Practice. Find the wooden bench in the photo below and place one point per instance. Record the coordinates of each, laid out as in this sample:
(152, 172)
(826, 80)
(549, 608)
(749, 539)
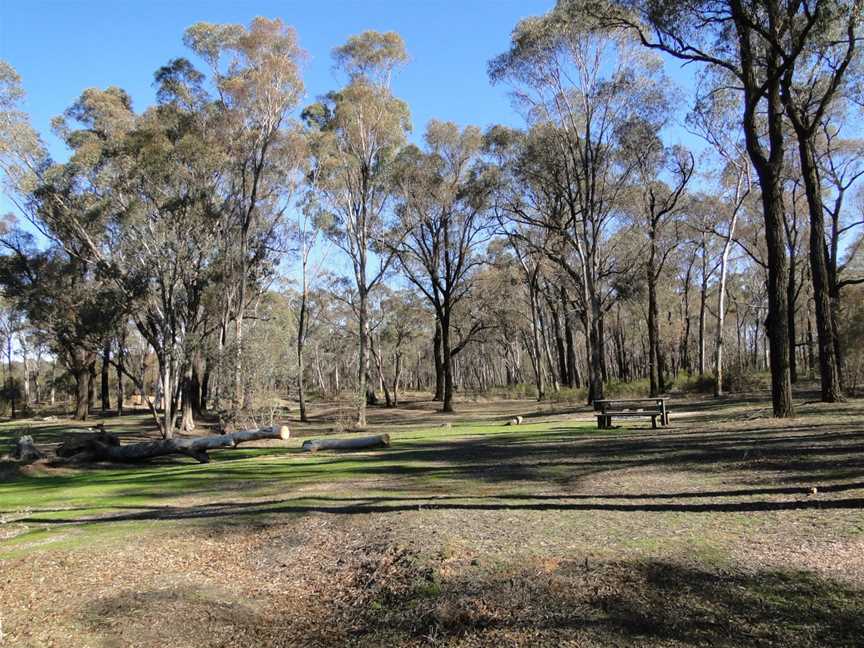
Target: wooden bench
(607, 409)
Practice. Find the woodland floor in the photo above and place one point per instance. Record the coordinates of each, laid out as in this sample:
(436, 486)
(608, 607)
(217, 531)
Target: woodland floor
(466, 532)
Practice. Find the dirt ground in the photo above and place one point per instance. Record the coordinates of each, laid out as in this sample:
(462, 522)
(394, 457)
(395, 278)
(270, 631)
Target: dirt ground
(727, 529)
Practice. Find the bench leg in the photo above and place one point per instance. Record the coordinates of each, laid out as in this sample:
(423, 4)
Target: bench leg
(654, 422)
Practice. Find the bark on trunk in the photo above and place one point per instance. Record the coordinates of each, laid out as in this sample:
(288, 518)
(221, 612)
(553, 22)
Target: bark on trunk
(188, 418)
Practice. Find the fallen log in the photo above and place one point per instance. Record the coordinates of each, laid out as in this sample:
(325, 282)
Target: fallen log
(355, 443)
(98, 448)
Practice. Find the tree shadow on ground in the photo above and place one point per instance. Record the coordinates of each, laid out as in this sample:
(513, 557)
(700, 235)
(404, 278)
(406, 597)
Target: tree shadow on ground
(773, 464)
(387, 596)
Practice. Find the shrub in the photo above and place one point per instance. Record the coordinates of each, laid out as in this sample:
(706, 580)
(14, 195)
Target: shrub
(741, 379)
(694, 384)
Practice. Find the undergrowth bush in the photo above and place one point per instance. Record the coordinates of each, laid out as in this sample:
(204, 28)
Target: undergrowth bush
(692, 383)
(740, 379)
(639, 388)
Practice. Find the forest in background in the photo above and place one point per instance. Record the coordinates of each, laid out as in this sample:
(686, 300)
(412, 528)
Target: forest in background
(231, 248)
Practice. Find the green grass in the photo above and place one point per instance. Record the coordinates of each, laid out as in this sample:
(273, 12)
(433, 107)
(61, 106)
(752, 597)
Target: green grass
(52, 497)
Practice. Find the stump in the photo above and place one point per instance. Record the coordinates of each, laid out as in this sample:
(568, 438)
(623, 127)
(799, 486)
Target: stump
(25, 451)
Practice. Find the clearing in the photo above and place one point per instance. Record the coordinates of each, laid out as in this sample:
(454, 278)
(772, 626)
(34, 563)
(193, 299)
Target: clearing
(465, 532)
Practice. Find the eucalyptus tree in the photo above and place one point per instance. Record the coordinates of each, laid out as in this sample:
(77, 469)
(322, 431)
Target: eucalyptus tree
(658, 205)
(154, 227)
(356, 133)
(444, 215)
(256, 83)
(579, 83)
(63, 298)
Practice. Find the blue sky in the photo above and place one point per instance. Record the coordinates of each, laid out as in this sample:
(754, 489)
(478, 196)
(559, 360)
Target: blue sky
(61, 47)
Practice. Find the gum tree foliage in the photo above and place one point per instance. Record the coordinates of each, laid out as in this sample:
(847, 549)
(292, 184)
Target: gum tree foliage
(157, 176)
(58, 287)
(254, 83)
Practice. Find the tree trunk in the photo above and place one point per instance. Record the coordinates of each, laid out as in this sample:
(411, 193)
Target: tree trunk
(556, 386)
(25, 383)
(654, 368)
(769, 169)
(82, 392)
(91, 385)
(790, 318)
(572, 366)
(379, 363)
(447, 357)
(559, 343)
(535, 338)
(105, 396)
(829, 371)
(301, 340)
(439, 362)
(685, 335)
(397, 375)
(205, 387)
(188, 418)
(721, 308)
(703, 299)
(363, 369)
(53, 392)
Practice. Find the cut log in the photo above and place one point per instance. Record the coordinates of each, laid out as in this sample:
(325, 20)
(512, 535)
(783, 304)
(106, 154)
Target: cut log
(25, 451)
(356, 443)
(97, 449)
